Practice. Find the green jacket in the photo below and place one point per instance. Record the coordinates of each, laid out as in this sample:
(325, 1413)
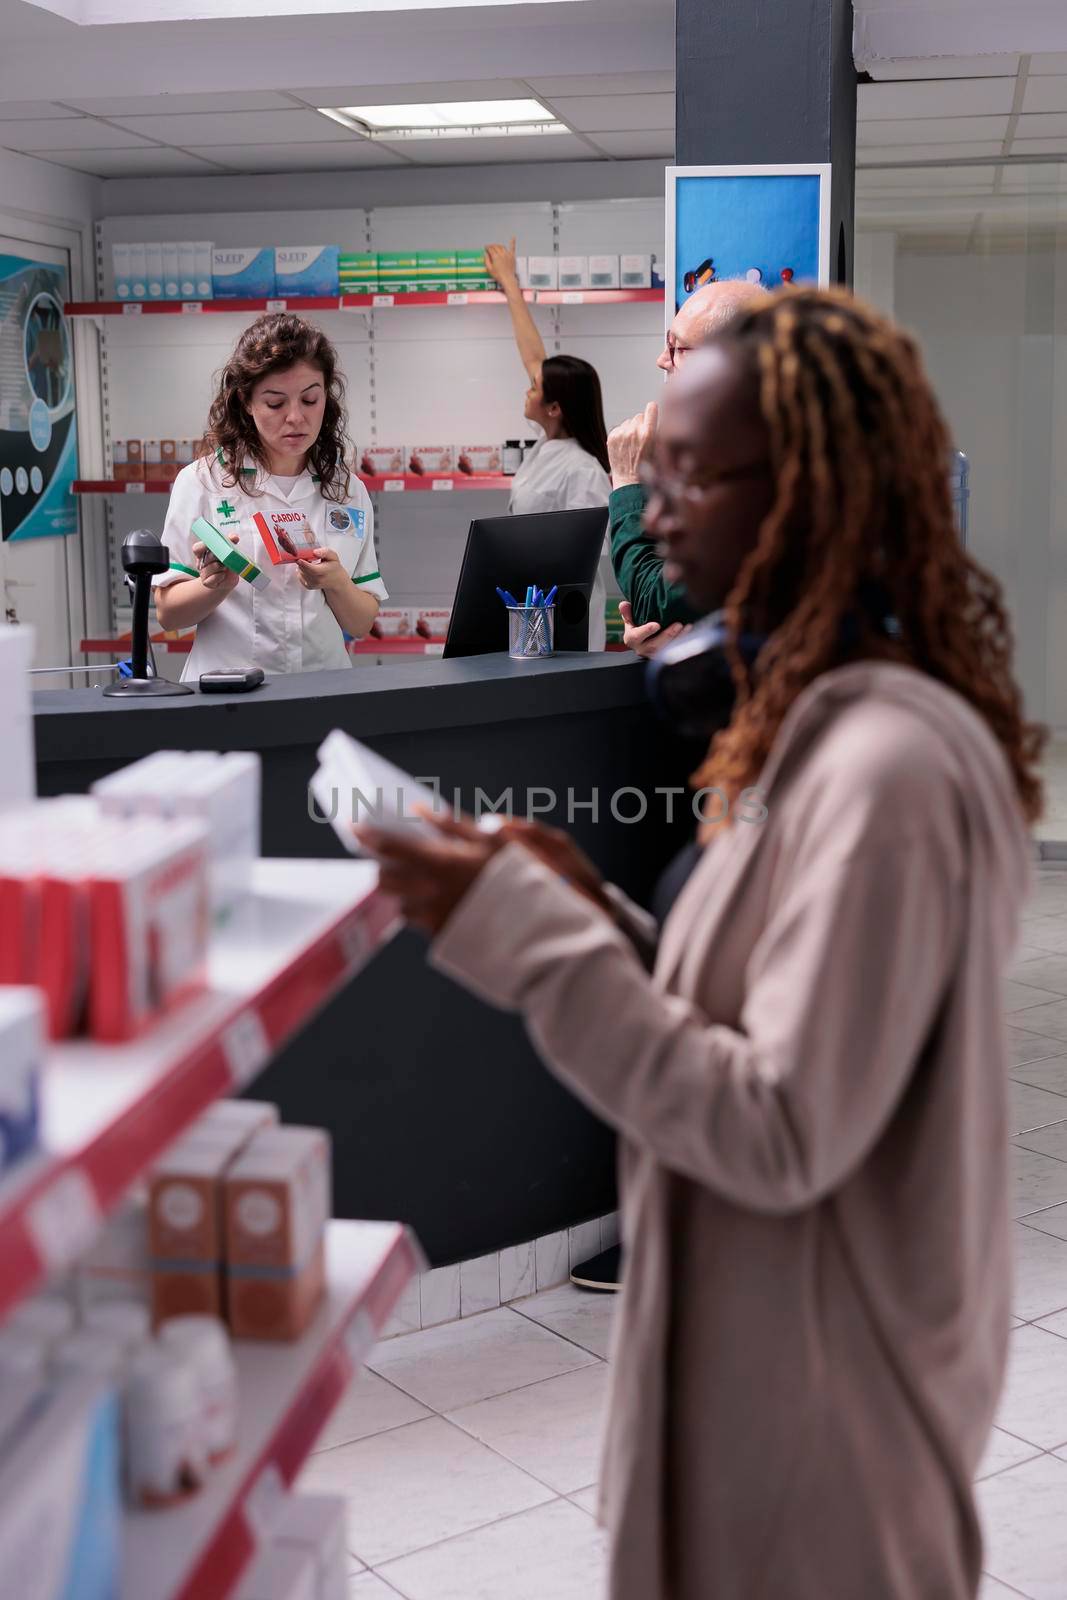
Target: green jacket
(638, 567)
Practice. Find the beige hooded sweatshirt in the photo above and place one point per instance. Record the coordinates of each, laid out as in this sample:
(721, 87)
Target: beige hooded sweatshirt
(810, 1090)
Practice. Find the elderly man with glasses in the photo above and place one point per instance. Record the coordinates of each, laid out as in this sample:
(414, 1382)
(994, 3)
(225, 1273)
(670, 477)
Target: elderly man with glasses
(653, 610)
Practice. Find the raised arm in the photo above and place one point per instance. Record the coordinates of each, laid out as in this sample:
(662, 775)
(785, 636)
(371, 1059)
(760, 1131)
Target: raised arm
(500, 264)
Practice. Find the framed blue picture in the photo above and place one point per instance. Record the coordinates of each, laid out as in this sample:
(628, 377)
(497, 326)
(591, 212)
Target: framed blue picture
(770, 225)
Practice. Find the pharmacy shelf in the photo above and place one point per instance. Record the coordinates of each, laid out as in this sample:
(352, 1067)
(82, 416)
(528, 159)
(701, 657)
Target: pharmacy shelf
(108, 1111)
(362, 302)
(198, 1551)
(178, 644)
(390, 483)
(416, 646)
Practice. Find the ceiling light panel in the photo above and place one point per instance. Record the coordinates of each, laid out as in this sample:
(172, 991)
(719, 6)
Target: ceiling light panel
(447, 115)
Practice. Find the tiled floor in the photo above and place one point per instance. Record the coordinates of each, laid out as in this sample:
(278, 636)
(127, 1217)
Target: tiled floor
(468, 1455)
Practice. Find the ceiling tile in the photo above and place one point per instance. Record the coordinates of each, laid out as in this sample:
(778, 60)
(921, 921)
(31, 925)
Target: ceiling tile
(964, 180)
(941, 97)
(933, 130)
(880, 154)
(239, 127)
(635, 145)
(1052, 61)
(609, 83)
(948, 67)
(158, 104)
(1039, 147)
(151, 161)
(30, 110)
(493, 152)
(402, 94)
(1045, 94)
(351, 157)
(616, 114)
(1045, 125)
(68, 133)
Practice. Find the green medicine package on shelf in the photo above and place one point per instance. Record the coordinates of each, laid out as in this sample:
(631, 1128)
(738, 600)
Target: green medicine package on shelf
(358, 272)
(229, 555)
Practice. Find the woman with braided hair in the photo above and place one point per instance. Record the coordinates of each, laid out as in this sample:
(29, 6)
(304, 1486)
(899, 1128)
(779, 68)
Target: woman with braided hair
(808, 1074)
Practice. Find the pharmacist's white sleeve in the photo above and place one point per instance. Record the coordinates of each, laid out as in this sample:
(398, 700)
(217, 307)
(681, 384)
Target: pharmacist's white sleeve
(187, 502)
(365, 573)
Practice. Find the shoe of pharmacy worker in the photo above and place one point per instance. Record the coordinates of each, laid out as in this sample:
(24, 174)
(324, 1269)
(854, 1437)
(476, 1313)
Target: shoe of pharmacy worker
(568, 469)
(657, 610)
(807, 1070)
(274, 459)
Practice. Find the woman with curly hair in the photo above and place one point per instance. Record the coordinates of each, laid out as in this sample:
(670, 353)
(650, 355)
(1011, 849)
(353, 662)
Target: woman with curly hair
(272, 477)
(809, 1073)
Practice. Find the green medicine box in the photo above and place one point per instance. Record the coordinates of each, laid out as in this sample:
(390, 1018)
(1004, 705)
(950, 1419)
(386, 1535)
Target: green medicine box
(470, 270)
(398, 272)
(437, 270)
(358, 273)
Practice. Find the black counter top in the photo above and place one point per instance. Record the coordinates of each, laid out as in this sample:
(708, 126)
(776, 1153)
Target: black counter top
(304, 706)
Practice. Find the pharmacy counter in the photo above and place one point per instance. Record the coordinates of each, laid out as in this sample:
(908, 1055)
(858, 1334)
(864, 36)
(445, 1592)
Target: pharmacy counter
(440, 1111)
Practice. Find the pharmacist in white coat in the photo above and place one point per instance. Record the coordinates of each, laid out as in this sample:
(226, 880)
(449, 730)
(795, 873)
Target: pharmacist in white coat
(568, 469)
(274, 475)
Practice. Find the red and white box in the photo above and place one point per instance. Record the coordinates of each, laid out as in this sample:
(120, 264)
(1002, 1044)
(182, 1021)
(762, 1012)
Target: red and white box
(149, 921)
(382, 460)
(431, 622)
(479, 459)
(423, 459)
(394, 622)
(286, 536)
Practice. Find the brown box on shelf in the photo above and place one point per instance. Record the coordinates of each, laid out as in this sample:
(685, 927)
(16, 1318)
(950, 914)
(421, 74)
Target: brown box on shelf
(128, 457)
(186, 1225)
(168, 467)
(277, 1202)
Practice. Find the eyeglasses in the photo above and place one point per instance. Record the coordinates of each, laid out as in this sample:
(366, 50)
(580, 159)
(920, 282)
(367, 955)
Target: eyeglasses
(674, 489)
(675, 351)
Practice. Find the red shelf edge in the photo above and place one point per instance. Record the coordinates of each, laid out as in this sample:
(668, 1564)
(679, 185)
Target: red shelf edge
(114, 1160)
(413, 482)
(359, 302)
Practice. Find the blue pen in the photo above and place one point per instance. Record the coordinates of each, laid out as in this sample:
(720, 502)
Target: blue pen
(529, 595)
(508, 599)
(550, 596)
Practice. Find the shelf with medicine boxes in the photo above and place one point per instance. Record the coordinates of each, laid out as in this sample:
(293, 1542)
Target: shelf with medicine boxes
(285, 1393)
(411, 482)
(362, 302)
(107, 1111)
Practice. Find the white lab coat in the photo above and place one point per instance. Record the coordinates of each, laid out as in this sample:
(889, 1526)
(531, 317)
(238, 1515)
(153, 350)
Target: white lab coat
(285, 628)
(558, 475)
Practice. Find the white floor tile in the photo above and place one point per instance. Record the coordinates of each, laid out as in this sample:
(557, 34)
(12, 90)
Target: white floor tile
(471, 1360)
(1049, 1073)
(1057, 1323)
(368, 1586)
(555, 1553)
(552, 1260)
(1040, 1272)
(517, 1272)
(1033, 1406)
(1053, 1220)
(1025, 1046)
(1038, 967)
(1049, 1019)
(415, 1486)
(585, 1317)
(1046, 934)
(552, 1429)
(439, 1296)
(1024, 1514)
(1003, 1451)
(479, 1284)
(1049, 1140)
(588, 1499)
(1031, 1108)
(371, 1406)
(1021, 996)
(407, 1313)
(1037, 1181)
(990, 1589)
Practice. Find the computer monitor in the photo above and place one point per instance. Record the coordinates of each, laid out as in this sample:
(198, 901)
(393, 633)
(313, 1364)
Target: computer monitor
(548, 548)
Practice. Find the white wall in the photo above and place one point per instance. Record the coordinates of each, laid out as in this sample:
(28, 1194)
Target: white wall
(993, 325)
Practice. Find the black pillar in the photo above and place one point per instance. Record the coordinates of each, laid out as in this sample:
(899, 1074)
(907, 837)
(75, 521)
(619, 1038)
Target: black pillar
(771, 81)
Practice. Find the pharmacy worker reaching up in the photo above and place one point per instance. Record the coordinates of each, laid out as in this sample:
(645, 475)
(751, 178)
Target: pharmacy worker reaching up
(272, 480)
(568, 469)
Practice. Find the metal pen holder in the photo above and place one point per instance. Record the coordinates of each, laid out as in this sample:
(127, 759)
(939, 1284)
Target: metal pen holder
(531, 631)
